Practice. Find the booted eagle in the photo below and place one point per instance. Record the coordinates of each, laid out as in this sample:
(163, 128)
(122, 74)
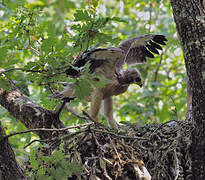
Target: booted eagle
(109, 63)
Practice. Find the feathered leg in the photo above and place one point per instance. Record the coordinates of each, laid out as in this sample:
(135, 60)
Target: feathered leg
(108, 112)
(96, 100)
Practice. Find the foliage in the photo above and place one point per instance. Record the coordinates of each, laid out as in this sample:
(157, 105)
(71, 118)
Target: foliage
(55, 166)
(41, 38)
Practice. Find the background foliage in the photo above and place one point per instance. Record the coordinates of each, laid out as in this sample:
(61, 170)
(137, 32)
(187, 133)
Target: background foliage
(40, 38)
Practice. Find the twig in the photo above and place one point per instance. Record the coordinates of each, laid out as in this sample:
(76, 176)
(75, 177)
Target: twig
(2, 71)
(59, 12)
(115, 150)
(157, 68)
(162, 125)
(54, 74)
(155, 71)
(96, 122)
(65, 100)
(64, 137)
(33, 49)
(75, 114)
(159, 64)
(176, 164)
(45, 129)
(58, 138)
(150, 16)
(175, 108)
(36, 140)
(34, 71)
(120, 136)
(21, 69)
(58, 111)
(50, 88)
(146, 81)
(95, 139)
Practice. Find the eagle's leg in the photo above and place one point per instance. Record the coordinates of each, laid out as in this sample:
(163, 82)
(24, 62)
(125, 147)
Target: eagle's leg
(108, 112)
(96, 100)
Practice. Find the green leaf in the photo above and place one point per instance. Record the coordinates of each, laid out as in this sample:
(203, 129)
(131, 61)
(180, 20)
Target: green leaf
(118, 19)
(33, 161)
(44, 177)
(3, 52)
(60, 173)
(68, 5)
(75, 168)
(47, 44)
(41, 171)
(81, 15)
(36, 3)
(57, 156)
(32, 66)
(4, 83)
(51, 29)
(83, 88)
(60, 45)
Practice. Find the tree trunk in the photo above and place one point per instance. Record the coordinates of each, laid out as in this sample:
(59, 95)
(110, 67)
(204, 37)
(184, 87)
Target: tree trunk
(9, 168)
(189, 16)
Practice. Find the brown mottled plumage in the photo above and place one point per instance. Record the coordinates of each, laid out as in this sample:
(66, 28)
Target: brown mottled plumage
(109, 63)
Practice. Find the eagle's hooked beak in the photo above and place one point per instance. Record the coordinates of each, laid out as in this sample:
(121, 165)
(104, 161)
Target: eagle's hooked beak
(139, 84)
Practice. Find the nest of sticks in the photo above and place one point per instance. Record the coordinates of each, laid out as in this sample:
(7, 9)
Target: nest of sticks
(149, 152)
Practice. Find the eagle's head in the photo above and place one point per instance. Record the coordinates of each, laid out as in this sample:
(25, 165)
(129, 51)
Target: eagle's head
(132, 76)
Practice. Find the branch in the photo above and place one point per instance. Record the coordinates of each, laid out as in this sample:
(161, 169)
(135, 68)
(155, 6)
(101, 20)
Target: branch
(159, 64)
(4, 71)
(96, 122)
(75, 114)
(120, 136)
(175, 108)
(29, 113)
(45, 129)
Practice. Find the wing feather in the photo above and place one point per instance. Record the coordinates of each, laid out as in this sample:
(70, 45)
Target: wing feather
(138, 48)
(102, 62)
(159, 39)
(155, 45)
(108, 61)
(152, 49)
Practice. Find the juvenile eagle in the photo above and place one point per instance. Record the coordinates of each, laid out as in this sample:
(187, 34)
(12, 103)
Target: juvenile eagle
(108, 63)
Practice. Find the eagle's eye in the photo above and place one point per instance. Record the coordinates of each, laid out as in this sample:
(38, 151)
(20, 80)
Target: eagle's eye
(137, 79)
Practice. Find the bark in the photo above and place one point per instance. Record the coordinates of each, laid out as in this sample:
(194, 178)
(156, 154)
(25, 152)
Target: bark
(190, 22)
(30, 114)
(9, 168)
(189, 100)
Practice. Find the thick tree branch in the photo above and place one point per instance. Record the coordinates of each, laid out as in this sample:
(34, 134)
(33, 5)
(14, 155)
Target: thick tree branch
(30, 114)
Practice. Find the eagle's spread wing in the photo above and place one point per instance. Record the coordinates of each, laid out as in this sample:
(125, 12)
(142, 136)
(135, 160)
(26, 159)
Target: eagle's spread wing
(108, 61)
(102, 62)
(138, 48)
